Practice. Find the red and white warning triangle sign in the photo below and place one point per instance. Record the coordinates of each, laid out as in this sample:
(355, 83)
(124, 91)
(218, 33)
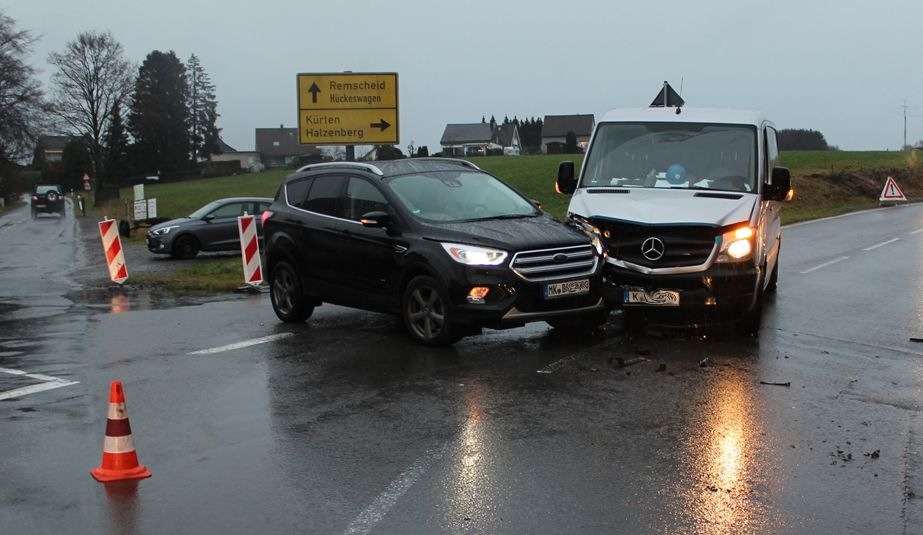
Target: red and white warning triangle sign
(892, 192)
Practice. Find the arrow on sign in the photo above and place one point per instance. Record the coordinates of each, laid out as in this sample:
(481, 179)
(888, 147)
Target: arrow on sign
(314, 90)
(383, 125)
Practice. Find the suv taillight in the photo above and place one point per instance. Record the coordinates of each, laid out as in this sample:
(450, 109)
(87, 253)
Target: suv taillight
(266, 215)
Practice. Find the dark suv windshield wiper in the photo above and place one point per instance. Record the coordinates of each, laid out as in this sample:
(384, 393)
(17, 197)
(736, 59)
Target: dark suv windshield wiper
(503, 216)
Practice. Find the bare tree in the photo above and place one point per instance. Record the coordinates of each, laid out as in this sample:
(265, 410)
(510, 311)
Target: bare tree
(22, 103)
(93, 78)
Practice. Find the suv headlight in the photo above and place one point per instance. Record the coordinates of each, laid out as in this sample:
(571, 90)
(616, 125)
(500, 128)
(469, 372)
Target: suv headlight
(736, 245)
(474, 256)
(590, 229)
(163, 231)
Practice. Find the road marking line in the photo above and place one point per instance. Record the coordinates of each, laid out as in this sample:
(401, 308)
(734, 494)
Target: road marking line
(557, 365)
(34, 389)
(372, 515)
(49, 383)
(882, 244)
(825, 264)
(240, 345)
(918, 231)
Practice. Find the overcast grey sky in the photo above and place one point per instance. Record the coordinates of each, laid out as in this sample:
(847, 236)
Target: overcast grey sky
(846, 68)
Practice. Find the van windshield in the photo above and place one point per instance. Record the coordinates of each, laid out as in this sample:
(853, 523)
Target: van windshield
(673, 155)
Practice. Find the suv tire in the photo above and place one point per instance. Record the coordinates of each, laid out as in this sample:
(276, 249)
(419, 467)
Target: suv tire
(426, 312)
(285, 292)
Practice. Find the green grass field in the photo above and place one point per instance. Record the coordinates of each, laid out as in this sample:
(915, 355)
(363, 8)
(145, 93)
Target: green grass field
(814, 176)
(826, 183)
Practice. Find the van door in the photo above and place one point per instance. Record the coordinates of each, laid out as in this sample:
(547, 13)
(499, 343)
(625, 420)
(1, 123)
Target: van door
(771, 221)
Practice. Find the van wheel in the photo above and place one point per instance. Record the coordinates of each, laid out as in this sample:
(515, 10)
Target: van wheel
(773, 283)
(285, 292)
(749, 324)
(426, 312)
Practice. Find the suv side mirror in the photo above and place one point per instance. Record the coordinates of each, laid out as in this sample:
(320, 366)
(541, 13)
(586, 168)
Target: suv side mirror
(781, 184)
(377, 219)
(567, 179)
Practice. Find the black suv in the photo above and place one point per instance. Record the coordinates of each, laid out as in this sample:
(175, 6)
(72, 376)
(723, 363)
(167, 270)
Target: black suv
(447, 246)
(47, 198)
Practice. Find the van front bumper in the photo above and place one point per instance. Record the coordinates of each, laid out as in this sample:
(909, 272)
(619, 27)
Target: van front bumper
(723, 288)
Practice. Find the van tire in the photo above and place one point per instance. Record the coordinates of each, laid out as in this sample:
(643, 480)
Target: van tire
(749, 324)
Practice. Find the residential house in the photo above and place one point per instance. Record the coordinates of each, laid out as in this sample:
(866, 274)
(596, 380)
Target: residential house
(556, 127)
(507, 136)
(471, 139)
(249, 160)
(50, 150)
(279, 147)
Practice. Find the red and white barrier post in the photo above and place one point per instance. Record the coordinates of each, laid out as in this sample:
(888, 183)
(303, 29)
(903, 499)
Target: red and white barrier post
(112, 246)
(250, 250)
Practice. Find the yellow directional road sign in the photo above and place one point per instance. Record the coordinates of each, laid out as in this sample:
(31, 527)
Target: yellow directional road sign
(347, 108)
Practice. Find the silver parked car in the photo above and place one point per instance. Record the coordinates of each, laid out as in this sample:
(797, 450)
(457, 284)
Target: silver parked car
(210, 228)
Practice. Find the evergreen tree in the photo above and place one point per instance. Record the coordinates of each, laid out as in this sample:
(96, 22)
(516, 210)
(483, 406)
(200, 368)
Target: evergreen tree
(159, 116)
(203, 111)
(76, 161)
(116, 165)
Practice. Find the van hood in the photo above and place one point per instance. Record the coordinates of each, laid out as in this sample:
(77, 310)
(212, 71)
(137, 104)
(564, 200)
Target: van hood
(651, 206)
(518, 234)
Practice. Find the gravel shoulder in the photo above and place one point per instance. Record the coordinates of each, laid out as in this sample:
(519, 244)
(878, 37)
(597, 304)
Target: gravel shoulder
(89, 270)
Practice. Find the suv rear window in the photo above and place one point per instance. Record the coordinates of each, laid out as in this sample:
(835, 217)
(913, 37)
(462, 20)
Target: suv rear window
(45, 189)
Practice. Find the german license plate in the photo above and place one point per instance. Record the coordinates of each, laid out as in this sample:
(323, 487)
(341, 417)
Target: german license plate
(663, 298)
(564, 289)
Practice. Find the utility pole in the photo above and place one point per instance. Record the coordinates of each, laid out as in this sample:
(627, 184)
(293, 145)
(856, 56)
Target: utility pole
(905, 124)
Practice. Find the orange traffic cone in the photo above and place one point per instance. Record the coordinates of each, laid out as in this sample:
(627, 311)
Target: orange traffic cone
(119, 458)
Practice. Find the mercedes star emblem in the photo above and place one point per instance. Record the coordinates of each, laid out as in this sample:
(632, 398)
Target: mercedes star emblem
(652, 249)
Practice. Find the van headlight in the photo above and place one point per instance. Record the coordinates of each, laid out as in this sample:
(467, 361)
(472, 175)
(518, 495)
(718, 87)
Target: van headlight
(736, 245)
(472, 255)
(591, 230)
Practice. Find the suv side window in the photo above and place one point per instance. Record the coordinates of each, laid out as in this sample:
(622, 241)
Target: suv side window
(324, 195)
(296, 191)
(363, 197)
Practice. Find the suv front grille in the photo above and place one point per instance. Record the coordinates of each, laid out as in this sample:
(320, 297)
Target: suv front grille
(683, 246)
(558, 263)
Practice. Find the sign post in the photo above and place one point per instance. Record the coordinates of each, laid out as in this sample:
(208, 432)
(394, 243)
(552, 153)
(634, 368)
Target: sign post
(347, 109)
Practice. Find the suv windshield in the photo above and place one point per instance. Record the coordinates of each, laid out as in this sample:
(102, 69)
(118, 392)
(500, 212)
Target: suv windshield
(673, 155)
(459, 196)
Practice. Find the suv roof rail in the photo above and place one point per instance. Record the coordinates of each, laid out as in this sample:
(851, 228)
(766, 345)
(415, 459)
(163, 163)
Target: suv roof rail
(360, 165)
(458, 161)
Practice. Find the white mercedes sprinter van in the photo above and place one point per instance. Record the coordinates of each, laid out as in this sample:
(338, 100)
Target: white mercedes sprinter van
(685, 203)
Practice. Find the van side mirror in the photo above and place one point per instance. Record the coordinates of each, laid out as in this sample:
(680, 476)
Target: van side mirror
(567, 179)
(781, 184)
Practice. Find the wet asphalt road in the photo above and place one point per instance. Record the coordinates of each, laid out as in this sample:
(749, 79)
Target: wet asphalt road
(342, 425)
